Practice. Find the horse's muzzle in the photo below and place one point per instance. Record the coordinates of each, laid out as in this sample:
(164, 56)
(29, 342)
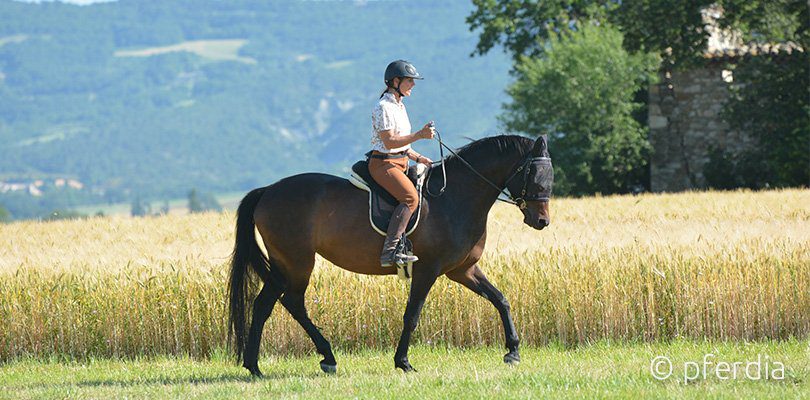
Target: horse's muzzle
(537, 216)
(538, 224)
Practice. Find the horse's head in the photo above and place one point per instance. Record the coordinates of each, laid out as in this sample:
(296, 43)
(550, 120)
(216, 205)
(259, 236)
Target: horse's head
(532, 186)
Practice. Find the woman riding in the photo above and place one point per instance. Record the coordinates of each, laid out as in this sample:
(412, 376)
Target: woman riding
(388, 163)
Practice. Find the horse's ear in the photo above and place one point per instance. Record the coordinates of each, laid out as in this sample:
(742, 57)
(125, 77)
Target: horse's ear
(541, 145)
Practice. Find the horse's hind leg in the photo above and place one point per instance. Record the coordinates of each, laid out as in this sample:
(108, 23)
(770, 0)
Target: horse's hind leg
(262, 308)
(293, 301)
(474, 279)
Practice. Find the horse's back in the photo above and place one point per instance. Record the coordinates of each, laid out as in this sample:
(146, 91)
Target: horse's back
(304, 201)
(301, 194)
(303, 214)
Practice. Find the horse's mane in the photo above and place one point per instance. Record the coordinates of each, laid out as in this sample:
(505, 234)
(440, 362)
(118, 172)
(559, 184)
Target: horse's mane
(502, 143)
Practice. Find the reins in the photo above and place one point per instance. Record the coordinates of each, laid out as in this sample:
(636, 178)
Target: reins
(518, 201)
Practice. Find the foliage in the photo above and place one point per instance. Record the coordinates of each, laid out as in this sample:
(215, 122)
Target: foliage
(22, 205)
(56, 215)
(771, 100)
(139, 207)
(201, 202)
(581, 94)
(674, 30)
(774, 21)
(5, 216)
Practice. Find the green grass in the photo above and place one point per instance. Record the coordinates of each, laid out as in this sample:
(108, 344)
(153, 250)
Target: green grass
(601, 370)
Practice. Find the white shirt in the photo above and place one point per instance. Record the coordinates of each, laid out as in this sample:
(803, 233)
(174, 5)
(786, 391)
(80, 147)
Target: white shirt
(389, 114)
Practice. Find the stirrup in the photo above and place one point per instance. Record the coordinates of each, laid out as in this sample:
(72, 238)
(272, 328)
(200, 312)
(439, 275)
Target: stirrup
(405, 265)
(403, 258)
(398, 260)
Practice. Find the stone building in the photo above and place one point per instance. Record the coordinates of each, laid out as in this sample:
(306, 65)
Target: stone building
(685, 112)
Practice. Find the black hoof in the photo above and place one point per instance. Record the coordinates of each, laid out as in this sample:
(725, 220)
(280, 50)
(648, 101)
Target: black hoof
(512, 357)
(405, 367)
(328, 368)
(254, 371)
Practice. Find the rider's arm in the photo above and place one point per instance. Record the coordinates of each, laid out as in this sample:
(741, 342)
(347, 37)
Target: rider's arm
(392, 141)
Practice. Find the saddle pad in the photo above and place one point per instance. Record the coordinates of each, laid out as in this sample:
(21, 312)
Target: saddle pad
(381, 203)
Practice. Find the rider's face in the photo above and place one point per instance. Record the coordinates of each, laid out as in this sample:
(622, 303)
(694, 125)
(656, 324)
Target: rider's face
(406, 85)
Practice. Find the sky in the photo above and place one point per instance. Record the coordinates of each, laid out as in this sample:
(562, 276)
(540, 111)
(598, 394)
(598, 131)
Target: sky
(76, 2)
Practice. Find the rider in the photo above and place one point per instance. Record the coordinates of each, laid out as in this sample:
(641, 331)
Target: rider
(391, 140)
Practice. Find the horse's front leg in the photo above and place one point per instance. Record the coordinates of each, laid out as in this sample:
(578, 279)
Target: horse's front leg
(474, 279)
(422, 281)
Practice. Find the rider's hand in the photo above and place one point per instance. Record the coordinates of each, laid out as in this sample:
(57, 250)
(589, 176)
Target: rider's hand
(427, 131)
(424, 160)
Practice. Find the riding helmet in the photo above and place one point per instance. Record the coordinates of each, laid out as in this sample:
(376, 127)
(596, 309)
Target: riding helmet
(401, 68)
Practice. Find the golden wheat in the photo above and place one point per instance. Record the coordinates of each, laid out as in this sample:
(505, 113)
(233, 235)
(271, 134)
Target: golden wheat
(733, 265)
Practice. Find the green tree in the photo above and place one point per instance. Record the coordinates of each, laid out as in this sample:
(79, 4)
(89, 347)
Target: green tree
(581, 94)
(56, 215)
(771, 100)
(139, 207)
(5, 216)
(771, 95)
(771, 103)
(194, 204)
(775, 21)
(674, 30)
(201, 202)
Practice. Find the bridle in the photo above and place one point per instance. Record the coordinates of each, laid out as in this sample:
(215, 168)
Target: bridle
(520, 200)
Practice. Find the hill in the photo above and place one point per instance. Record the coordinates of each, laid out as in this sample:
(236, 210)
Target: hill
(150, 99)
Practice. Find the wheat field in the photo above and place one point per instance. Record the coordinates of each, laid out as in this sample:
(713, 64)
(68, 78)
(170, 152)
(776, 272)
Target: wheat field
(653, 267)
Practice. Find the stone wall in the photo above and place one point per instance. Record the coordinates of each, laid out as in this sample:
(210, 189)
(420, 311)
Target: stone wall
(684, 120)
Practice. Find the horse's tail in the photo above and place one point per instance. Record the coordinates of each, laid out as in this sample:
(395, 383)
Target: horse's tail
(242, 284)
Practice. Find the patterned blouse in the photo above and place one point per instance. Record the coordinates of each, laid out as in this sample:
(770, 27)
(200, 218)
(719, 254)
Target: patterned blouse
(389, 114)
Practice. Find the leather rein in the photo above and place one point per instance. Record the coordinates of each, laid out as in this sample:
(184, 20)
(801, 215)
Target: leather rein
(519, 201)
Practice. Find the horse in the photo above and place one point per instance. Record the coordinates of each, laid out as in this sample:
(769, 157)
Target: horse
(311, 213)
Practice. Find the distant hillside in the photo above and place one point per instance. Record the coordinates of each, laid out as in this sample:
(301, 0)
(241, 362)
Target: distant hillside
(153, 98)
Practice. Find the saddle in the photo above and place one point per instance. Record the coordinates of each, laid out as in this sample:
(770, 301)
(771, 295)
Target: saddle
(381, 203)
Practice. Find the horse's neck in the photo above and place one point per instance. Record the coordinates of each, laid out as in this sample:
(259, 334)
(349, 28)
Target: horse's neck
(472, 195)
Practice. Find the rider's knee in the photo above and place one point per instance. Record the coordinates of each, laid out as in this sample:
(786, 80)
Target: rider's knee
(412, 201)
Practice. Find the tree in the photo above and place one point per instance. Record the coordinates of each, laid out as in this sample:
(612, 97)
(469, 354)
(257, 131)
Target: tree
(139, 207)
(770, 99)
(581, 94)
(194, 204)
(674, 30)
(5, 216)
(771, 95)
(775, 21)
(201, 202)
(56, 215)
(771, 105)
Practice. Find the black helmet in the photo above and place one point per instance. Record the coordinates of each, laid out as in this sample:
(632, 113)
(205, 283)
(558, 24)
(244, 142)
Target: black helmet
(400, 68)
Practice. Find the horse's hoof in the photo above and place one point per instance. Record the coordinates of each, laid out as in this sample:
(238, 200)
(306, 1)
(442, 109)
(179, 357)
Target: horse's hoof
(329, 369)
(512, 358)
(406, 367)
(254, 371)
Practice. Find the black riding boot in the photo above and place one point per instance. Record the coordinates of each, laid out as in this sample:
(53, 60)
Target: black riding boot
(396, 227)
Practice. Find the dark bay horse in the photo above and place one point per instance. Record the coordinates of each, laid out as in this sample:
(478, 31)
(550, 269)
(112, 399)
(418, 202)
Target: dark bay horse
(313, 213)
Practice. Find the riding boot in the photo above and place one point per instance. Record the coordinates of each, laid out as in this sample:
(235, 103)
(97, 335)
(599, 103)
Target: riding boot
(396, 228)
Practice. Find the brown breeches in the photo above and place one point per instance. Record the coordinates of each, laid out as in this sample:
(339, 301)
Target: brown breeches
(390, 174)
